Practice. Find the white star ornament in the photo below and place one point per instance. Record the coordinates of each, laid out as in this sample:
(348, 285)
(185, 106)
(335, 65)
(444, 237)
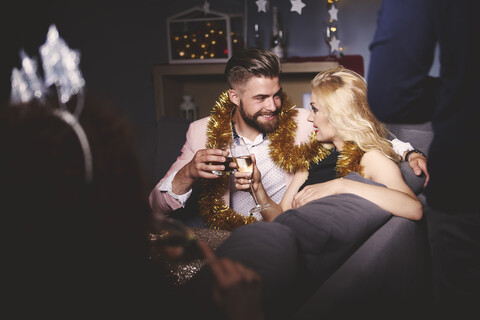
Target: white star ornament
(333, 13)
(297, 5)
(262, 5)
(334, 44)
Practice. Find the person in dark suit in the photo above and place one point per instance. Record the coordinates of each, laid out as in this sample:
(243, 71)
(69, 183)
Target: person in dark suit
(401, 90)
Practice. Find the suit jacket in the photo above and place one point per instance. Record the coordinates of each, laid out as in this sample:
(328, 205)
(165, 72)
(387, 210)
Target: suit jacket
(400, 88)
(163, 204)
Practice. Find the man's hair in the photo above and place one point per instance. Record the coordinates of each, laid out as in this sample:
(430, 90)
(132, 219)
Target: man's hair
(251, 62)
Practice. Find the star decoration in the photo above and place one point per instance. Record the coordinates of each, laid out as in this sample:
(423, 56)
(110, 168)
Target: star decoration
(60, 65)
(297, 5)
(206, 7)
(333, 13)
(29, 70)
(262, 5)
(334, 44)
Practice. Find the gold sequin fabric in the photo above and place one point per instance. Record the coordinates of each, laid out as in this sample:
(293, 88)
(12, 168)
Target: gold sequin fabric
(181, 270)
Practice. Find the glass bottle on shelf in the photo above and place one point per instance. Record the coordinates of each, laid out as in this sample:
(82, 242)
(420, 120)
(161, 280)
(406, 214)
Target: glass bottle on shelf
(257, 37)
(188, 108)
(276, 42)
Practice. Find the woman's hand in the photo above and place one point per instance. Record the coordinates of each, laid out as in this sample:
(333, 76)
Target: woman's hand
(316, 191)
(243, 180)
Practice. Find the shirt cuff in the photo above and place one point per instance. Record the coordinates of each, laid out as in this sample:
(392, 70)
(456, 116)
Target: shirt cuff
(166, 186)
(400, 147)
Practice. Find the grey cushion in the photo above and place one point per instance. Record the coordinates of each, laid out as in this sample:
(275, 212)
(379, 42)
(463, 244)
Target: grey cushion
(388, 273)
(330, 229)
(268, 248)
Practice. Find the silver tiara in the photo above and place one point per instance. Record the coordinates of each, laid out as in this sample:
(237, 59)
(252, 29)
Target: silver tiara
(61, 71)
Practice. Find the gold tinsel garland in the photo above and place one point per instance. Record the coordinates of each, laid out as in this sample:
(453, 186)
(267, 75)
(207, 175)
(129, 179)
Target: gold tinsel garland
(349, 160)
(283, 152)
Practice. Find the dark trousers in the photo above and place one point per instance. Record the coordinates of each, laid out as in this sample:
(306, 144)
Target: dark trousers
(455, 245)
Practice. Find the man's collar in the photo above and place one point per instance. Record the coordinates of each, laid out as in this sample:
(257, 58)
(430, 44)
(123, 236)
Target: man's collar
(235, 134)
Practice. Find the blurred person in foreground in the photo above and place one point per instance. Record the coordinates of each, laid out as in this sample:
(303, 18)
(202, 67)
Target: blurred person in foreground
(75, 247)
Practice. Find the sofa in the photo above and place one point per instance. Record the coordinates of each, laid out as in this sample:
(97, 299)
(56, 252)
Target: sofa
(385, 273)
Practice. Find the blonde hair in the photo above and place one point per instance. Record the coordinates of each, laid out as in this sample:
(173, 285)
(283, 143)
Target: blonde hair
(343, 97)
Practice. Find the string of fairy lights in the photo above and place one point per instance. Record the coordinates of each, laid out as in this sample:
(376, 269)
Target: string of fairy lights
(331, 31)
(208, 39)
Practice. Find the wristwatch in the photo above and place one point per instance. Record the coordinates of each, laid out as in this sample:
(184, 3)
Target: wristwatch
(412, 151)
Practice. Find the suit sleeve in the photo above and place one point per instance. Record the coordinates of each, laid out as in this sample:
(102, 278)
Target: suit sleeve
(402, 52)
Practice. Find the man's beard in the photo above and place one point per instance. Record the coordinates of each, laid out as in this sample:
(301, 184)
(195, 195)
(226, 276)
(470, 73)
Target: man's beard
(252, 121)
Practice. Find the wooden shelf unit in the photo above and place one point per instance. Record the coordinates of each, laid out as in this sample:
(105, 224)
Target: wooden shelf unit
(204, 82)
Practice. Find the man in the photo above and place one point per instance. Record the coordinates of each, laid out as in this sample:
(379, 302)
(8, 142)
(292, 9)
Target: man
(401, 90)
(279, 135)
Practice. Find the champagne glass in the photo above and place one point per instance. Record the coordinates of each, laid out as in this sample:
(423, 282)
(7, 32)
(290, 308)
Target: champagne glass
(226, 164)
(241, 156)
(175, 249)
(172, 240)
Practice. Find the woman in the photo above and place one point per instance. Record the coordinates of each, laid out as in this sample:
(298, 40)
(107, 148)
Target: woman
(344, 123)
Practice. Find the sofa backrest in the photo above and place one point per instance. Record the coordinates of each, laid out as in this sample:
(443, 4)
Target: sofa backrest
(419, 136)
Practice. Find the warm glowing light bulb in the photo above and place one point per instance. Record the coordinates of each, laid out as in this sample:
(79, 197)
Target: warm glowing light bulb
(181, 53)
(333, 29)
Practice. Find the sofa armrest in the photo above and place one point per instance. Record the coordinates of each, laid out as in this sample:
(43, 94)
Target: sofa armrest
(388, 272)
